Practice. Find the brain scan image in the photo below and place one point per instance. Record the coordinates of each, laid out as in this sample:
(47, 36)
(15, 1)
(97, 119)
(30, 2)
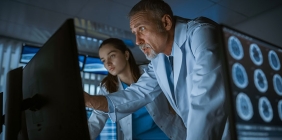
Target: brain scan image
(255, 54)
(273, 60)
(244, 106)
(260, 80)
(235, 48)
(277, 84)
(265, 109)
(280, 109)
(239, 75)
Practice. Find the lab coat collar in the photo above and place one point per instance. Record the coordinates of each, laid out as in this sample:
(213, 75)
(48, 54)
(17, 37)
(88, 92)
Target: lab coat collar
(162, 73)
(120, 87)
(179, 33)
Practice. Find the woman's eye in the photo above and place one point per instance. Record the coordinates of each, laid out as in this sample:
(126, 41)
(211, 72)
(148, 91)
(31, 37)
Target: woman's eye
(112, 56)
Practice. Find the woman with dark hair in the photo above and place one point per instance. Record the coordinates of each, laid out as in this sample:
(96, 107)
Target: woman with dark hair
(157, 120)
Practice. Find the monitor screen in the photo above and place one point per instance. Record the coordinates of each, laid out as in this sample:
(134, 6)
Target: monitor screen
(28, 51)
(129, 43)
(53, 76)
(254, 85)
(81, 60)
(94, 65)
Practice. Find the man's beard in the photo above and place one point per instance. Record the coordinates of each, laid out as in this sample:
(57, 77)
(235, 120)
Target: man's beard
(151, 55)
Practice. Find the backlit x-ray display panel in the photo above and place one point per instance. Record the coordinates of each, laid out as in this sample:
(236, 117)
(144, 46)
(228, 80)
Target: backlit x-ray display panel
(94, 65)
(81, 60)
(28, 52)
(254, 85)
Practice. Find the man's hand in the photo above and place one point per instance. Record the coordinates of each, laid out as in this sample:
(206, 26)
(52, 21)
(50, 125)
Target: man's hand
(97, 102)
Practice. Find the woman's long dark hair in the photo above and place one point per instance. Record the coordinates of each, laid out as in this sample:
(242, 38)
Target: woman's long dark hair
(110, 81)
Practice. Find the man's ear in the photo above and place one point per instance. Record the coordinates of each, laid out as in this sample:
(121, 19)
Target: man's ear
(167, 22)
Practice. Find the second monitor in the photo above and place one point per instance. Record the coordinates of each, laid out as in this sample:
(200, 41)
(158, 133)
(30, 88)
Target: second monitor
(53, 74)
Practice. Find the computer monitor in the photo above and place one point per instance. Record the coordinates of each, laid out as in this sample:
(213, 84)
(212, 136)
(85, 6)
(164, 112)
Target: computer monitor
(254, 85)
(53, 75)
(1, 109)
(14, 97)
(94, 65)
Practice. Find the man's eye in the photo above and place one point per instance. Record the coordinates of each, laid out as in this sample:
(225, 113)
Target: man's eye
(142, 28)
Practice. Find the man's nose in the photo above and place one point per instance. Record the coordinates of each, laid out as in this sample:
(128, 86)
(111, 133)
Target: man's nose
(138, 40)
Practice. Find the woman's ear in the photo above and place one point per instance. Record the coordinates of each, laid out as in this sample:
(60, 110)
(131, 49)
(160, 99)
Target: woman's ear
(167, 22)
(126, 55)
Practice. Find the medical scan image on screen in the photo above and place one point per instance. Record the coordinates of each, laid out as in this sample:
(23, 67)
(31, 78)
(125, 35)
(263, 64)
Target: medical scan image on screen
(255, 87)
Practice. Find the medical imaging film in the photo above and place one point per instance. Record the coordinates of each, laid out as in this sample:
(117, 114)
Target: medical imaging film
(254, 71)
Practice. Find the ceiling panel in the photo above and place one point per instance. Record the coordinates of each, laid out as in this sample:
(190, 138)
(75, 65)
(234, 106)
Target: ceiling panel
(25, 33)
(129, 3)
(37, 20)
(229, 17)
(69, 7)
(215, 1)
(271, 33)
(250, 7)
(28, 19)
(189, 8)
(107, 12)
(27, 15)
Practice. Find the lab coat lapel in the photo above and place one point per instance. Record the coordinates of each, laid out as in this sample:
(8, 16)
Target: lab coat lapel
(179, 39)
(177, 61)
(163, 73)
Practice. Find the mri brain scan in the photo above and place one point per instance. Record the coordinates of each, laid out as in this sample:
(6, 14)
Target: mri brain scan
(255, 54)
(273, 60)
(239, 75)
(265, 109)
(260, 80)
(244, 106)
(235, 48)
(277, 84)
(280, 109)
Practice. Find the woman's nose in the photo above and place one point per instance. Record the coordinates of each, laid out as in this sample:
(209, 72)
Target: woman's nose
(108, 63)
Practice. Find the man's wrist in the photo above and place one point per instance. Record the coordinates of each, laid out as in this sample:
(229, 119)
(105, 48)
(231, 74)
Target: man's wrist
(99, 102)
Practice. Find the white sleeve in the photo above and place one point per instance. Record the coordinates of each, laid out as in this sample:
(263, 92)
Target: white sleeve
(137, 95)
(96, 123)
(97, 120)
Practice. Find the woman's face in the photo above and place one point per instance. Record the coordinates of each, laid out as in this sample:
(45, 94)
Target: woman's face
(114, 60)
